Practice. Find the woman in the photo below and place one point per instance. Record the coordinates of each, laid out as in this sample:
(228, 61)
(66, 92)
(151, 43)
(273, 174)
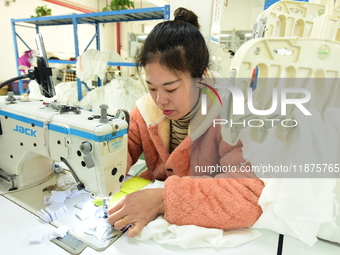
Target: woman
(173, 54)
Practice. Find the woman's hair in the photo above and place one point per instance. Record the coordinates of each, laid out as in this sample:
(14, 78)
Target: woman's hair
(177, 45)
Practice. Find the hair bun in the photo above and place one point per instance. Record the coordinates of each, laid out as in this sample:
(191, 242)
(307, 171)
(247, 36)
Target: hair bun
(187, 16)
(181, 18)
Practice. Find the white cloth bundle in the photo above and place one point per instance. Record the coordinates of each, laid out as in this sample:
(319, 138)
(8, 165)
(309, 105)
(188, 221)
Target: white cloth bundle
(296, 205)
(93, 63)
(331, 230)
(120, 93)
(191, 236)
(66, 93)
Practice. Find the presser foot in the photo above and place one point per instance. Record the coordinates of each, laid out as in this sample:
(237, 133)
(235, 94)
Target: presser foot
(101, 214)
(102, 234)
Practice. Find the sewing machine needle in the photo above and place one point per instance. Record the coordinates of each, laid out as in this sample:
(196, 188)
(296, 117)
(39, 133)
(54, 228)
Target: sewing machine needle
(105, 207)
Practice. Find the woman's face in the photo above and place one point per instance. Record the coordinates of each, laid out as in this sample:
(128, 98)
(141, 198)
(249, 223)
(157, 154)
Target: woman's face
(171, 92)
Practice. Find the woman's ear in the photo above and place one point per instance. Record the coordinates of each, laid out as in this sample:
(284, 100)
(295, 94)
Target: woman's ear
(205, 73)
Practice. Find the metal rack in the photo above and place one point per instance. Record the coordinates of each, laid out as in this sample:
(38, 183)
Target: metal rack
(95, 18)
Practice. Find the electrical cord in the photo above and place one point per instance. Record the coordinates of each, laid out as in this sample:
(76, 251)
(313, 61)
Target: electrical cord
(30, 75)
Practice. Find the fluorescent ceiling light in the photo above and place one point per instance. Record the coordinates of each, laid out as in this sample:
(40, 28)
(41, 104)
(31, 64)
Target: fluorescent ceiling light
(142, 36)
(159, 2)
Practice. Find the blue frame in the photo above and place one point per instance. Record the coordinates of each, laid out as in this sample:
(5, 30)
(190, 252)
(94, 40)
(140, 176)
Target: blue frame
(268, 3)
(95, 19)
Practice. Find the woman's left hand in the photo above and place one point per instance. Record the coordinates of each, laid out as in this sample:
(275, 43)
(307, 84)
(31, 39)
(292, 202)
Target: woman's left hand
(137, 208)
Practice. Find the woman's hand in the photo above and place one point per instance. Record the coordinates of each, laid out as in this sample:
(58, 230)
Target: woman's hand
(138, 208)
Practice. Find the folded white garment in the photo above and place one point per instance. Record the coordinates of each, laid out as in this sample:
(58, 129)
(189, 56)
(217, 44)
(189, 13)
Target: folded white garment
(190, 236)
(296, 205)
(331, 116)
(331, 230)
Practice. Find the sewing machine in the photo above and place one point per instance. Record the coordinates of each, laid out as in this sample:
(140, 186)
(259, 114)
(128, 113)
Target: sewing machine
(34, 134)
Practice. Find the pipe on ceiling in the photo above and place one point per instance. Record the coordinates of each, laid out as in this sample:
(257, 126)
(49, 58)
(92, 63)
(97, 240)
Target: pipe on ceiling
(85, 9)
(72, 5)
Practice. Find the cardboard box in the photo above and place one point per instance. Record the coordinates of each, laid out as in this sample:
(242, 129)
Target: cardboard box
(4, 90)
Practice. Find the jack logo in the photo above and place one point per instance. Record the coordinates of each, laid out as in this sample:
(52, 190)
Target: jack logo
(26, 131)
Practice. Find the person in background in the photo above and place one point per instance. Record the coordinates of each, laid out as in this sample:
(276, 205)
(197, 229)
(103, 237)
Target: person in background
(174, 53)
(25, 61)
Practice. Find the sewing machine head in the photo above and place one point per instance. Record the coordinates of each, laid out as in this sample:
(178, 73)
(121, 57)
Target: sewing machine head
(34, 134)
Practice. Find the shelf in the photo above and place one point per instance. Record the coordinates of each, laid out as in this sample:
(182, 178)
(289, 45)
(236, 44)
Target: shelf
(121, 64)
(101, 17)
(72, 62)
(95, 18)
(57, 61)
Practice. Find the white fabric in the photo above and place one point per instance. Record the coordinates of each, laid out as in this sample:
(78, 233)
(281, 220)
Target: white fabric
(331, 230)
(331, 118)
(191, 236)
(120, 93)
(297, 205)
(67, 93)
(93, 63)
(35, 90)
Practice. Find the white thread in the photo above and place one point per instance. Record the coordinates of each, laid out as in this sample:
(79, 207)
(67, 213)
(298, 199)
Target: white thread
(48, 121)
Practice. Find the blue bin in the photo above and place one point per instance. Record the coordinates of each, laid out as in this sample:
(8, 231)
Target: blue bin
(14, 86)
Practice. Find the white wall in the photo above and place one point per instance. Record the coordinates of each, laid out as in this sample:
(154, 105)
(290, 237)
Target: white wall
(237, 14)
(241, 14)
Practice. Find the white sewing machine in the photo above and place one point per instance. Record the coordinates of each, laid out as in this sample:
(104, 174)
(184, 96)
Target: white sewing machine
(34, 134)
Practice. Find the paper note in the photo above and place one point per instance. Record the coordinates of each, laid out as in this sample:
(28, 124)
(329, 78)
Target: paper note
(134, 184)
